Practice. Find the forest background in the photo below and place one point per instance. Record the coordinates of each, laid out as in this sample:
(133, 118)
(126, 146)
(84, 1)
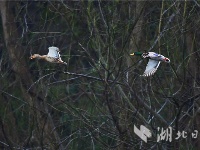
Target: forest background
(96, 100)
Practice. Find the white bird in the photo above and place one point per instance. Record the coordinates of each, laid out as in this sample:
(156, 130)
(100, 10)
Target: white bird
(53, 56)
(154, 61)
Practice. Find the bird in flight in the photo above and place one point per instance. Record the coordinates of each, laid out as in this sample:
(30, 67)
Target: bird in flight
(53, 56)
(154, 61)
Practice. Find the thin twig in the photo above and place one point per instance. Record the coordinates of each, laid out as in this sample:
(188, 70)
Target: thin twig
(39, 80)
(163, 31)
(82, 75)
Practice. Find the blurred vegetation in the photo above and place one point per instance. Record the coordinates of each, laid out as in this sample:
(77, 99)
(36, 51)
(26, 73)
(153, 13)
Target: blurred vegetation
(95, 101)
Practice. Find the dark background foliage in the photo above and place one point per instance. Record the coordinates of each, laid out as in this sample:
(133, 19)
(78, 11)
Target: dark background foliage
(95, 101)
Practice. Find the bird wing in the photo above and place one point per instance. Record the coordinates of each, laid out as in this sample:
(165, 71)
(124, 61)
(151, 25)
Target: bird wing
(151, 67)
(154, 55)
(53, 52)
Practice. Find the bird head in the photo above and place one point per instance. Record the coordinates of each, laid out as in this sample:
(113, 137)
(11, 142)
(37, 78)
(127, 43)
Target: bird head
(167, 60)
(137, 53)
(34, 56)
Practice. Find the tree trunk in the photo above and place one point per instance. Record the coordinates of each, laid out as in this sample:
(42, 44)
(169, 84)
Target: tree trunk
(38, 108)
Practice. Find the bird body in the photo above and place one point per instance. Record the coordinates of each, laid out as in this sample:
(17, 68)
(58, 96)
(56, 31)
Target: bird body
(53, 56)
(154, 61)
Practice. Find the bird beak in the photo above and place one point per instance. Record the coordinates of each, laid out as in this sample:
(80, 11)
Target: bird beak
(132, 54)
(31, 57)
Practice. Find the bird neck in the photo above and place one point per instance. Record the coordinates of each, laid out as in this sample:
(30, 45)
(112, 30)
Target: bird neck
(138, 53)
(39, 56)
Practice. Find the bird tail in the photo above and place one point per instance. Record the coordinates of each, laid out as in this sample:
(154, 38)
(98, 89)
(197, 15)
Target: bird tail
(61, 62)
(64, 63)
